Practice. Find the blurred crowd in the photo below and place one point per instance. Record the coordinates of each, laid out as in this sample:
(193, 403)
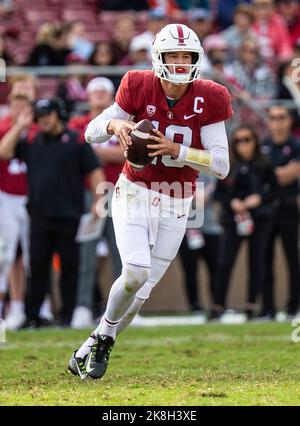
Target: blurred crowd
(252, 47)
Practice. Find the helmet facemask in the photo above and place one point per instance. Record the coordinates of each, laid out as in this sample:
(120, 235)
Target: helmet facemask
(176, 38)
(168, 71)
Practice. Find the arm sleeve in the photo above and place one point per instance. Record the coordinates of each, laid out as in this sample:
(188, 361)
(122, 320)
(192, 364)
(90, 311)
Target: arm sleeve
(214, 141)
(96, 131)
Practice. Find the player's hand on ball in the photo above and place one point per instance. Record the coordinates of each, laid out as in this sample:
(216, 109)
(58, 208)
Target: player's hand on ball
(121, 129)
(163, 146)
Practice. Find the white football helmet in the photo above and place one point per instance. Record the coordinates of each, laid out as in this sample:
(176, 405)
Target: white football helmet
(176, 38)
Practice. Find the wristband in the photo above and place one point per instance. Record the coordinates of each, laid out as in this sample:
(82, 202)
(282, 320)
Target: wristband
(199, 156)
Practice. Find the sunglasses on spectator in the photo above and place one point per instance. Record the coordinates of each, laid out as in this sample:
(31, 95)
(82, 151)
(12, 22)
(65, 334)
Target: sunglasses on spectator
(245, 139)
(278, 117)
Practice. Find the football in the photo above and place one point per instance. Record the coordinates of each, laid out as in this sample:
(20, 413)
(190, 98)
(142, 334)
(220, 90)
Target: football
(137, 154)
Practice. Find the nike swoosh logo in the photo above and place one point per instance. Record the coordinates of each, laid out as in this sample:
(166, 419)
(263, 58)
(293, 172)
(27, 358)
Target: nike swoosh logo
(186, 117)
(180, 215)
(88, 368)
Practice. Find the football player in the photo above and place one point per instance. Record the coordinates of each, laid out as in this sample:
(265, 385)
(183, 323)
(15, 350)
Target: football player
(190, 136)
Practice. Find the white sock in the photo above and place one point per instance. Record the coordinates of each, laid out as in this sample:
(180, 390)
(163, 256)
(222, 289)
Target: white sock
(107, 327)
(16, 306)
(130, 314)
(86, 347)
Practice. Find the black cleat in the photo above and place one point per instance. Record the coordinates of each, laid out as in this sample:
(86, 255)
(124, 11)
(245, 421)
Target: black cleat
(97, 360)
(77, 366)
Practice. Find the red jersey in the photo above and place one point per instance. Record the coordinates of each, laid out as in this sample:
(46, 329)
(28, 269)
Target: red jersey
(13, 178)
(111, 170)
(205, 102)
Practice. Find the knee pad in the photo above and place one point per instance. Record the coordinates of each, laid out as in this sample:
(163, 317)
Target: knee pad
(135, 277)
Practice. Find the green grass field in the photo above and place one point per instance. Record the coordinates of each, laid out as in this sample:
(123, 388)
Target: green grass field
(253, 364)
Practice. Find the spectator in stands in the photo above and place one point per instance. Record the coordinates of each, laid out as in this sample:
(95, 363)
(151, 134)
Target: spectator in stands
(240, 29)
(138, 54)
(42, 53)
(245, 196)
(290, 10)
(24, 85)
(14, 217)
(201, 22)
(216, 49)
(271, 32)
(289, 90)
(72, 89)
(55, 199)
(61, 42)
(51, 46)
(100, 92)
(157, 19)
(4, 55)
(284, 151)
(13, 187)
(103, 54)
(124, 31)
(255, 79)
(78, 42)
(225, 11)
(201, 244)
